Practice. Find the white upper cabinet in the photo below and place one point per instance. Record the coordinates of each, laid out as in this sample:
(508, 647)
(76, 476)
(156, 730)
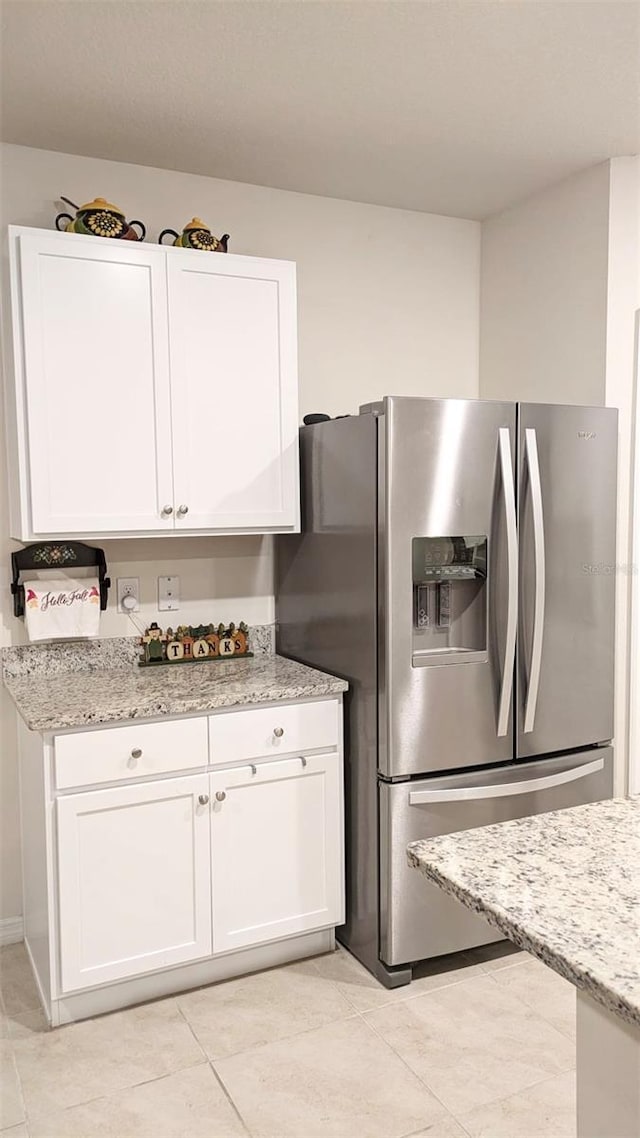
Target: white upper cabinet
(155, 389)
(232, 339)
(96, 394)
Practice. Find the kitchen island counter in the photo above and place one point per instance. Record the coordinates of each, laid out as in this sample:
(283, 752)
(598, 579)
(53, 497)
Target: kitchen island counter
(565, 886)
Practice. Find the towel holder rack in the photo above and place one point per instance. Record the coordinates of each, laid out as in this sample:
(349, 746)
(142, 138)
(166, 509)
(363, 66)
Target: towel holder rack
(57, 555)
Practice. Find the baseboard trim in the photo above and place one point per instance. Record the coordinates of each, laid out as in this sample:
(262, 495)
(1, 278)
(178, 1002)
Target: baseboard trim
(11, 930)
(171, 981)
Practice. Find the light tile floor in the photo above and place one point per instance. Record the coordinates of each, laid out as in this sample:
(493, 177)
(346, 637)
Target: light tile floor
(481, 1045)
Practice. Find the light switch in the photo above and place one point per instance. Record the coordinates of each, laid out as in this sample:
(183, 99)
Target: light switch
(168, 594)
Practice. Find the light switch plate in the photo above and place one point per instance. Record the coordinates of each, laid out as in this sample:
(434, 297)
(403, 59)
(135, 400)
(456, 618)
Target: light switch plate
(168, 594)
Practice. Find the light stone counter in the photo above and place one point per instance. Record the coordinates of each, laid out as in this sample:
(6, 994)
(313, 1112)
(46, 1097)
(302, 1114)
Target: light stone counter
(565, 886)
(64, 699)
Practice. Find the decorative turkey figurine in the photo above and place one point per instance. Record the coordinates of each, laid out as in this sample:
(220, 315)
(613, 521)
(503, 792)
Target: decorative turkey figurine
(100, 218)
(197, 235)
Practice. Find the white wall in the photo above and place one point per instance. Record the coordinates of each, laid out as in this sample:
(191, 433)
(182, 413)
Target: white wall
(559, 290)
(388, 304)
(543, 300)
(623, 303)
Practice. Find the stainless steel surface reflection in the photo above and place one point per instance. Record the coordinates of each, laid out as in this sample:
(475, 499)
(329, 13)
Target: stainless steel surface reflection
(453, 568)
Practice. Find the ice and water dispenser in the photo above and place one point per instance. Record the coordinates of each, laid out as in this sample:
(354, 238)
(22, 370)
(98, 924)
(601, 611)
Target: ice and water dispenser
(449, 599)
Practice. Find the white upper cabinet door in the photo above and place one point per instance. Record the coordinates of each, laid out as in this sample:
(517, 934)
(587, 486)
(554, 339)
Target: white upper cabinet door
(134, 879)
(234, 392)
(277, 850)
(96, 384)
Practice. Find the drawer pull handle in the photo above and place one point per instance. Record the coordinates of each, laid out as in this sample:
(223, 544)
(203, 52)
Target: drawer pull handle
(278, 732)
(221, 795)
(303, 760)
(136, 753)
(203, 799)
(254, 769)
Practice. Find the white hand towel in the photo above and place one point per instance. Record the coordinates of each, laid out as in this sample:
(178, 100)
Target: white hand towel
(62, 609)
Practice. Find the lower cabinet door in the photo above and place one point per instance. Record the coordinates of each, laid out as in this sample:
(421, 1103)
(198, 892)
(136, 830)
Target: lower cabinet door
(134, 879)
(277, 850)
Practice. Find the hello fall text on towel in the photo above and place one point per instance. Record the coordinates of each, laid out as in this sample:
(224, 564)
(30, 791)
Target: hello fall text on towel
(62, 608)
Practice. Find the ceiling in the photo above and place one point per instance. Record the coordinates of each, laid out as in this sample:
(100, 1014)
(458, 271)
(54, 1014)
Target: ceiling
(458, 107)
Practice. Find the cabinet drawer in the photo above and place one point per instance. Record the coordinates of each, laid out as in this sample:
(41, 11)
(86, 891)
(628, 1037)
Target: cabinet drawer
(266, 731)
(111, 755)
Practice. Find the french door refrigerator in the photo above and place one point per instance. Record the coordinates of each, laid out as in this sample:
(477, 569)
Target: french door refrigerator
(455, 566)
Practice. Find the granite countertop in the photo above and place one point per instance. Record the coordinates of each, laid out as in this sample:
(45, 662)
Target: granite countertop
(564, 886)
(76, 698)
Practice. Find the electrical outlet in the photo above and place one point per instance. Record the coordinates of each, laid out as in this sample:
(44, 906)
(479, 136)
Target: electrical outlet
(168, 594)
(128, 594)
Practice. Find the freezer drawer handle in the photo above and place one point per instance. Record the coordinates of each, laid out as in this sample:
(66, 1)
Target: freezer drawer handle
(506, 470)
(531, 447)
(504, 790)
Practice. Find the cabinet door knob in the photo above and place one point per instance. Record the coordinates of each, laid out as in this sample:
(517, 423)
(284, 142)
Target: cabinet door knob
(136, 753)
(203, 799)
(221, 795)
(167, 511)
(278, 732)
(182, 510)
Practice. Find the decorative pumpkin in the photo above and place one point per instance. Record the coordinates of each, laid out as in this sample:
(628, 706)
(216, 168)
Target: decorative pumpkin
(240, 638)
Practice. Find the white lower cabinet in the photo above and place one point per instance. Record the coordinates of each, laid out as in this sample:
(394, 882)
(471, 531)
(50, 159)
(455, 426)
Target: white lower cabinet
(134, 879)
(276, 850)
(165, 869)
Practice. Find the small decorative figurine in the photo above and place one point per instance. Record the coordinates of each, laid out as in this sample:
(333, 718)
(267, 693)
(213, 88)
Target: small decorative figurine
(153, 641)
(197, 235)
(99, 218)
(190, 644)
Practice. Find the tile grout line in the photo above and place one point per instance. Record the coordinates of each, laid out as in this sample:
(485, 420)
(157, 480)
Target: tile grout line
(186, 1021)
(109, 1094)
(537, 1014)
(514, 1094)
(410, 995)
(284, 1038)
(16, 1072)
(378, 1034)
(449, 1112)
(229, 1097)
(215, 1074)
(568, 1035)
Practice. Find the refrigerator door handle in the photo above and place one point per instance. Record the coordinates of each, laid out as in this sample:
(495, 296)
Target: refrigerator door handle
(506, 470)
(504, 790)
(531, 451)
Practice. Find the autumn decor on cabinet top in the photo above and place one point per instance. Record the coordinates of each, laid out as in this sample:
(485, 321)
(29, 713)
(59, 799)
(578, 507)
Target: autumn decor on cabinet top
(99, 218)
(197, 235)
(191, 644)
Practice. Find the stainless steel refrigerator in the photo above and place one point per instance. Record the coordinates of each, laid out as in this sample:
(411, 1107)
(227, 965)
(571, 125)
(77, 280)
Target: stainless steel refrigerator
(456, 566)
